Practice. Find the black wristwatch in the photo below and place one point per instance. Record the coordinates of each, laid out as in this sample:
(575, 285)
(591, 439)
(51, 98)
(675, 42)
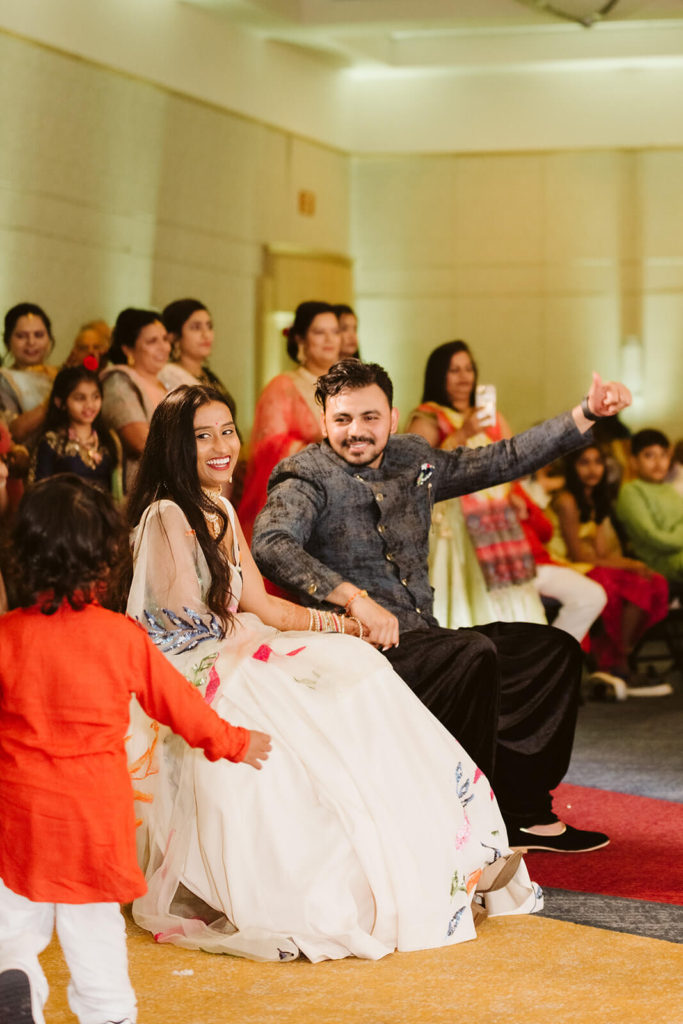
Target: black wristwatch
(585, 409)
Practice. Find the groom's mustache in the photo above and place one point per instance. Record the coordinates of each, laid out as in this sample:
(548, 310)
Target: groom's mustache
(357, 440)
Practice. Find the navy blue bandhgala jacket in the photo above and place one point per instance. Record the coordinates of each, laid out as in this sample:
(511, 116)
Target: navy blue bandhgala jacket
(327, 522)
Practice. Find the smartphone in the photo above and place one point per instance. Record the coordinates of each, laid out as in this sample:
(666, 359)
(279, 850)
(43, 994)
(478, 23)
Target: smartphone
(485, 404)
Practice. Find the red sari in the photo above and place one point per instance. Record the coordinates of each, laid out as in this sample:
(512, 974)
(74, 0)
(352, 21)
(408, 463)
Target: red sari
(286, 419)
(649, 593)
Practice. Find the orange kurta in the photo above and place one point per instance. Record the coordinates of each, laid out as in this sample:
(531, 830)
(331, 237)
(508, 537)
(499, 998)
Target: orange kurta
(67, 832)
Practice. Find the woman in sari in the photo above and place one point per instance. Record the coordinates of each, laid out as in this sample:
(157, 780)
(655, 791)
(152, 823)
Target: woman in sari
(370, 828)
(26, 382)
(191, 333)
(137, 379)
(481, 564)
(286, 417)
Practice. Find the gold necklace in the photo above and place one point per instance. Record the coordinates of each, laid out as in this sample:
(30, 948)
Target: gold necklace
(213, 519)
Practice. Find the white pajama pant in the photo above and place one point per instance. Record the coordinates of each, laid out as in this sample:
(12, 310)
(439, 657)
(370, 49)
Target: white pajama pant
(582, 599)
(93, 940)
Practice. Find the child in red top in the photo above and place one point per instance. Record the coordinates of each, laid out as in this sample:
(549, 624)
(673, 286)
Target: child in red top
(68, 668)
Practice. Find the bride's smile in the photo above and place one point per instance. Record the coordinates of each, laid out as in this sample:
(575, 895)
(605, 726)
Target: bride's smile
(217, 444)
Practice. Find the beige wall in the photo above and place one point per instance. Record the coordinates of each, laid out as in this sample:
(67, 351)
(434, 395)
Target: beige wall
(542, 262)
(117, 192)
(181, 46)
(545, 106)
(481, 91)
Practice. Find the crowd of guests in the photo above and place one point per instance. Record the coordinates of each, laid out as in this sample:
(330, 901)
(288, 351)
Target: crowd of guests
(595, 543)
(373, 860)
(563, 535)
(570, 541)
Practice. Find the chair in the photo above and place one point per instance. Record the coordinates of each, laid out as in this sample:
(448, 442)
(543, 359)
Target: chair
(663, 642)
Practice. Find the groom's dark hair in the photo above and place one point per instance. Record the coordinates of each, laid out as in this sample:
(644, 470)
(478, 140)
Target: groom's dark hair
(352, 375)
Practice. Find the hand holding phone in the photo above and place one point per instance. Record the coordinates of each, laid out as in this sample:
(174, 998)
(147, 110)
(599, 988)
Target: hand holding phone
(485, 404)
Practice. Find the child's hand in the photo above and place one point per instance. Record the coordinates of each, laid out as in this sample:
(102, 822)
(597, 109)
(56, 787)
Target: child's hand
(258, 749)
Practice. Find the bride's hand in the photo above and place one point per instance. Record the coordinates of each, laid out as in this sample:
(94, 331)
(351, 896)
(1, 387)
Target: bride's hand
(258, 749)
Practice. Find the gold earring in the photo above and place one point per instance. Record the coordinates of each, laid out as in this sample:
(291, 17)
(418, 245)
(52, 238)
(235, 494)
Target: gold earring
(130, 359)
(301, 353)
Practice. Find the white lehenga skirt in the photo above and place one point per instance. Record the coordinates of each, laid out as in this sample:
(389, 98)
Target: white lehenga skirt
(365, 831)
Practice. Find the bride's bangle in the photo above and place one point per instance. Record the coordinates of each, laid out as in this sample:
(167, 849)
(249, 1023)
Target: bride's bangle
(361, 631)
(325, 622)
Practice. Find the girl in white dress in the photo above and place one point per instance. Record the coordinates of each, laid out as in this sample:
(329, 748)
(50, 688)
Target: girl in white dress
(370, 828)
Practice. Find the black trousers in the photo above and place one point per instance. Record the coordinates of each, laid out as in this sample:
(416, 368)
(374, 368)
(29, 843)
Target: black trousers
(509, 692)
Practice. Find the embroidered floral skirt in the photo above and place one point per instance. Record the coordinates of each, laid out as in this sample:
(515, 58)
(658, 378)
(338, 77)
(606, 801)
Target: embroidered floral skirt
(365, 832)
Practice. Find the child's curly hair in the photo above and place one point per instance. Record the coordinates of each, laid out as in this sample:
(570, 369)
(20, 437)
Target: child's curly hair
(69, 542)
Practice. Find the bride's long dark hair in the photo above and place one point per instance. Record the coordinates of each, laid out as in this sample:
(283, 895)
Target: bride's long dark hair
(168, 469)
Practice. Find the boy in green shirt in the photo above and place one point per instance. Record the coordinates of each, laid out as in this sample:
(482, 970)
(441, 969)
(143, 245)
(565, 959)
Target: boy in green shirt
(650, 509)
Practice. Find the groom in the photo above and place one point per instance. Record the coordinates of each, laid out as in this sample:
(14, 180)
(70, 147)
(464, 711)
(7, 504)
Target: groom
(347, 525)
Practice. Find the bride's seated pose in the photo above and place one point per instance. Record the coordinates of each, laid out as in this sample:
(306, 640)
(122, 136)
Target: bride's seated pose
(369, 829)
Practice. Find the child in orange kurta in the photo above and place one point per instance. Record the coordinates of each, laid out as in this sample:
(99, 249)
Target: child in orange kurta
(68, 668)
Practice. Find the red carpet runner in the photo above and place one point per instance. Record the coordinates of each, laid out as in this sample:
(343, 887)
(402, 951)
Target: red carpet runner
(643, 861)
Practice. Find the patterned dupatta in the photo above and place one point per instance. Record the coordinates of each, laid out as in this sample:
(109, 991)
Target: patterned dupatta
(502, 550)
(31, 386)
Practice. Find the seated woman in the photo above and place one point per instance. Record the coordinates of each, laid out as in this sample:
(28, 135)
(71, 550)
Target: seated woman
(25, 384)
(74, 439)
(637, 597)
(137, 380)
(614, 441)
(480, 562)
(370, 828)
(286, 417)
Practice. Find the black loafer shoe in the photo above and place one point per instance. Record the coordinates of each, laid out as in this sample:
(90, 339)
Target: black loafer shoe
(571, 840)
(15, 998)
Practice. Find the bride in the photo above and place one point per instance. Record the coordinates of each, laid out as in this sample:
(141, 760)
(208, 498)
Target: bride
(369, 828)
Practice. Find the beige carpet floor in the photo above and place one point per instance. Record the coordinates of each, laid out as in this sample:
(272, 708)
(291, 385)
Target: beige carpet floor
(525, 970)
